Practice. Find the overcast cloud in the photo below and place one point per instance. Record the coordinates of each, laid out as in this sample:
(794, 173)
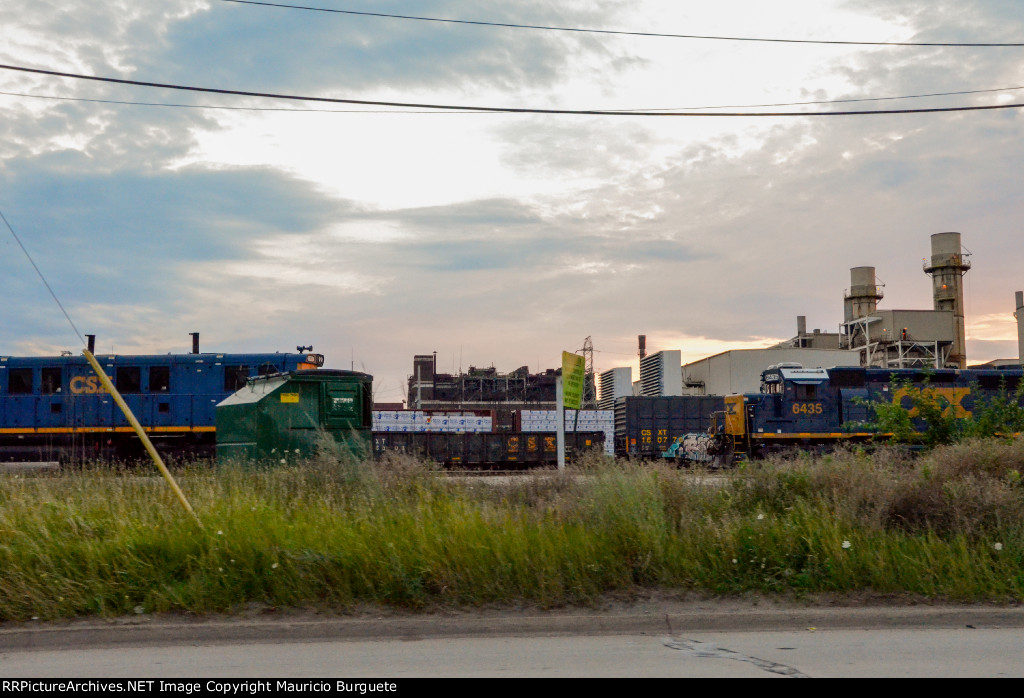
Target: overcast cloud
(493, 238)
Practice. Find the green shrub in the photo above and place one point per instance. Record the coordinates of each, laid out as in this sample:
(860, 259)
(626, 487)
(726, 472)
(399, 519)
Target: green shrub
(930, 419)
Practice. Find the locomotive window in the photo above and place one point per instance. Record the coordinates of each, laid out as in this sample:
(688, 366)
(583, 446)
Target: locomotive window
(989, 382)
(268, 369)
(805, 392)
(129, 379)
(51, 381)
(159, 379)
(19, 381)
(235, 377)
(854, 378)
(1010, 383)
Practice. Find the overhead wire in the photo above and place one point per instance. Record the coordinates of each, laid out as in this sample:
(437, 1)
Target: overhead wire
(508, 110)
(43, 278)
(511, 25)
(456, 111)
(843, 101)
(229, 108)
(108, 386)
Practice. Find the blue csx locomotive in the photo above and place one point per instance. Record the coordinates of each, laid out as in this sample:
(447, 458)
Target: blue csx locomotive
(55, 408)
(800, 407)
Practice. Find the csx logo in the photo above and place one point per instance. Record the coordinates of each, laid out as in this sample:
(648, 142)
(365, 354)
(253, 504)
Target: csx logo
(948, 399)
(86, 385)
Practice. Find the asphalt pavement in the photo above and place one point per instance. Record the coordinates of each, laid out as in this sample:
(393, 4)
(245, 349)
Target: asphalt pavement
(652, 616)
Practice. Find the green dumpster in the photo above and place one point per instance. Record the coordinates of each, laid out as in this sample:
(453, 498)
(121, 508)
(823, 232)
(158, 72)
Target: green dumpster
(286, 417)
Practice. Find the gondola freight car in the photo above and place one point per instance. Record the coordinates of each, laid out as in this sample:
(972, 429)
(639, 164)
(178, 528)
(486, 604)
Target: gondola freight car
(647, 427)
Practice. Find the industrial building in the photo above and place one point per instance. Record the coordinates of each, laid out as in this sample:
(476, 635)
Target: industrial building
(739, 370)
(910, 338)
(485, 389)
(615, 383)
(815, 339)
(1019, 314)
(868, 336)
(659, 374)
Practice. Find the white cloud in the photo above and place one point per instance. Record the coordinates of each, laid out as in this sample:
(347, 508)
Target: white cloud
(993, 327)
(501, 238)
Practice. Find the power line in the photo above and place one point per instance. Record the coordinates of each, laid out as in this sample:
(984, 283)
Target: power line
(507, 110)
(45, 282)
(841, 101)
(510, 25)
(220, 106)
(454, 111)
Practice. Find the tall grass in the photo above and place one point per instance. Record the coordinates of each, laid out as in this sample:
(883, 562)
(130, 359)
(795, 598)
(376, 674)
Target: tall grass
(334, 534)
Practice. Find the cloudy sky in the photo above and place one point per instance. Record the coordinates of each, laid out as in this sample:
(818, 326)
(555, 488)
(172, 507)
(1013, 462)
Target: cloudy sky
(500, 239)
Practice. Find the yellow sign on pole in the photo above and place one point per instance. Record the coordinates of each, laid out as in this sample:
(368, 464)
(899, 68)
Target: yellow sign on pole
(573, 369)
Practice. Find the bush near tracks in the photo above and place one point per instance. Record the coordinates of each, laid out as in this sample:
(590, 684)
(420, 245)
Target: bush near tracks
(335, 535)
(930, 420)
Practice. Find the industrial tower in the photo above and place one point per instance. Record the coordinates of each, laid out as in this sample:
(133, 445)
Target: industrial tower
(947, 268)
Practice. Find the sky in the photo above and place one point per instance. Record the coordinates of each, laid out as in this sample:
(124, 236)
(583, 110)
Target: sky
(498, 239)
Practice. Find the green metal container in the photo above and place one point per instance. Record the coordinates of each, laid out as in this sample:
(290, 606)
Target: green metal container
(291, 416)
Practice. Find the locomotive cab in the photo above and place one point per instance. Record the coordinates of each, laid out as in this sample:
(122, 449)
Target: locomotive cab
(796, 400)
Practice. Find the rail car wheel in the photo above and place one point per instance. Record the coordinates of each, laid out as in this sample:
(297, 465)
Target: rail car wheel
(724, 456)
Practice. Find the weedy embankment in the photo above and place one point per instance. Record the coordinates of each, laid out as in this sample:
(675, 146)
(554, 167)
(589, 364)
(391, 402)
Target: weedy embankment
(334, 534)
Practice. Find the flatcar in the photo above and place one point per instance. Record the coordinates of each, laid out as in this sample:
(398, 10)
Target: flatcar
(55, 408)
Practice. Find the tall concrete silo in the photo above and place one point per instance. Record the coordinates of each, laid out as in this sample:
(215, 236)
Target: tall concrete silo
(862, 298)
(1019, 314)
(947, 269)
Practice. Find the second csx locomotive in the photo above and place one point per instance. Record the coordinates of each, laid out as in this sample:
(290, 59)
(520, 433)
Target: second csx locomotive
(801, 408)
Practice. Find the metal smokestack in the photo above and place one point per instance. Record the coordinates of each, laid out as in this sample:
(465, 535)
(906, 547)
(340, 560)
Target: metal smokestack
(1019, 314)
(947, 269)
(862, 298)
(91, 343)
(195, 342)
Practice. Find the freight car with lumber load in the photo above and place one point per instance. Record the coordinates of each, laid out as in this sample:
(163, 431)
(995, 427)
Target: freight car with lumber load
(504, 450)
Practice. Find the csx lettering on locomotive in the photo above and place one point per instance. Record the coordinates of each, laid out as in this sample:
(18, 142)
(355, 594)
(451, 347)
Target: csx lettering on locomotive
(86, 385)
(56, 408)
